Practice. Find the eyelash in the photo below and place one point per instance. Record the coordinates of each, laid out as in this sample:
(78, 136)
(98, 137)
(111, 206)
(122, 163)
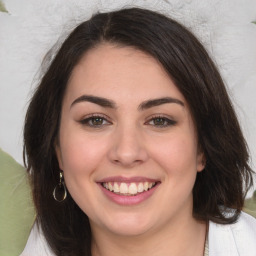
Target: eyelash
(166, 122)
(87, 120)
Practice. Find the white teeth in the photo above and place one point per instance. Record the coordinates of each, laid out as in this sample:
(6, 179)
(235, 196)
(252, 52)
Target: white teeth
(126, 189)
(140, 187)
(123, 188)
(116, 188)
(145, 186)
(133, 189)
(110, 187)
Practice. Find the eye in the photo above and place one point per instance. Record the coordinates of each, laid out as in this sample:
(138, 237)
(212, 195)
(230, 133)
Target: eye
(161, 121)
(95, 121)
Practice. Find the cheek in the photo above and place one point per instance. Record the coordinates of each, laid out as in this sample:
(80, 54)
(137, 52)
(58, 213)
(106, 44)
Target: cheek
(177, 156)
(80, 154)
(81, 157)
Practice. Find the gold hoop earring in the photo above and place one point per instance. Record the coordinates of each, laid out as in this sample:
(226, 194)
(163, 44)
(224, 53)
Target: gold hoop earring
(60, 191)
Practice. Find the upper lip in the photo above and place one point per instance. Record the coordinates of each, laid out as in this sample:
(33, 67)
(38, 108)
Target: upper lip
(127, 179)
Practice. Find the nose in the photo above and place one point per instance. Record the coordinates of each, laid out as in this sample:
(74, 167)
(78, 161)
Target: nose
(128, 148)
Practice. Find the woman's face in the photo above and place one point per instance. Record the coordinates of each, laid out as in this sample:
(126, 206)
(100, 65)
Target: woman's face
(127, 143)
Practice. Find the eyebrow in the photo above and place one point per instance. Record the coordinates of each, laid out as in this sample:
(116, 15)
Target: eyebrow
(157, 102)
(103, 102)
(95, 99)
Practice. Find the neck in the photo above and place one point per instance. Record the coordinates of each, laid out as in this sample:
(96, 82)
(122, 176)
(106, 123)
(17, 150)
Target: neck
(184, 238)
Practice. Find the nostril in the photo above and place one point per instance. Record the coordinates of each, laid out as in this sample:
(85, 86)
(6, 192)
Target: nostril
(127, 163)
(127, 149)
(128, 159)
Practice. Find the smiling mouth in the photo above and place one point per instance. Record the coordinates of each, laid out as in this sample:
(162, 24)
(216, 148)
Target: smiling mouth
(128, 189)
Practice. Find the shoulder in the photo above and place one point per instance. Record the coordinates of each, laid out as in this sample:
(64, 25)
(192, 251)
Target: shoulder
(234, 239)
(36, 244)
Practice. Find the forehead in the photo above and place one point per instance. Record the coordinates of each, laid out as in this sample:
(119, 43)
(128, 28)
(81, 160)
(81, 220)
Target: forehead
(118, 73)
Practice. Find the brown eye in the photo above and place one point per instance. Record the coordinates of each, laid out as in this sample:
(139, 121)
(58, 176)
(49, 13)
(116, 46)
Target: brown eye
(161, 122)
(95, 121)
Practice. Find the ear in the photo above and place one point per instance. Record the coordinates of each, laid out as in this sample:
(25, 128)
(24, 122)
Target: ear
(201, 161)
(58, 155)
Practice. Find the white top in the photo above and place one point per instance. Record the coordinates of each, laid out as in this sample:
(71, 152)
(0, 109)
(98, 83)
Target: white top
(238, 239)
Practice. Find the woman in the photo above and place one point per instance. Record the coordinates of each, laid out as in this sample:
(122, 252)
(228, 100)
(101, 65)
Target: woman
(134, 147)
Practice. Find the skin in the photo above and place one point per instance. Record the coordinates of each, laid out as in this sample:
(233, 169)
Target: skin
(127, 140)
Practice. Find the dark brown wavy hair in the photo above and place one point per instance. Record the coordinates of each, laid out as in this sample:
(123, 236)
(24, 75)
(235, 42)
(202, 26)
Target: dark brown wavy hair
(227, 175)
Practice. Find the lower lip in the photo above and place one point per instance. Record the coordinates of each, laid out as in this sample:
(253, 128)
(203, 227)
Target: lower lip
(129, 200)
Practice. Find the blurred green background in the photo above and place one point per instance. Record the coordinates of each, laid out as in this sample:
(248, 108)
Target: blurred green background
(250, 205)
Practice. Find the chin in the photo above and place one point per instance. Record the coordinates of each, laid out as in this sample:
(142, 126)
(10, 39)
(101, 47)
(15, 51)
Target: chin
(128, 225)
(129, 230)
